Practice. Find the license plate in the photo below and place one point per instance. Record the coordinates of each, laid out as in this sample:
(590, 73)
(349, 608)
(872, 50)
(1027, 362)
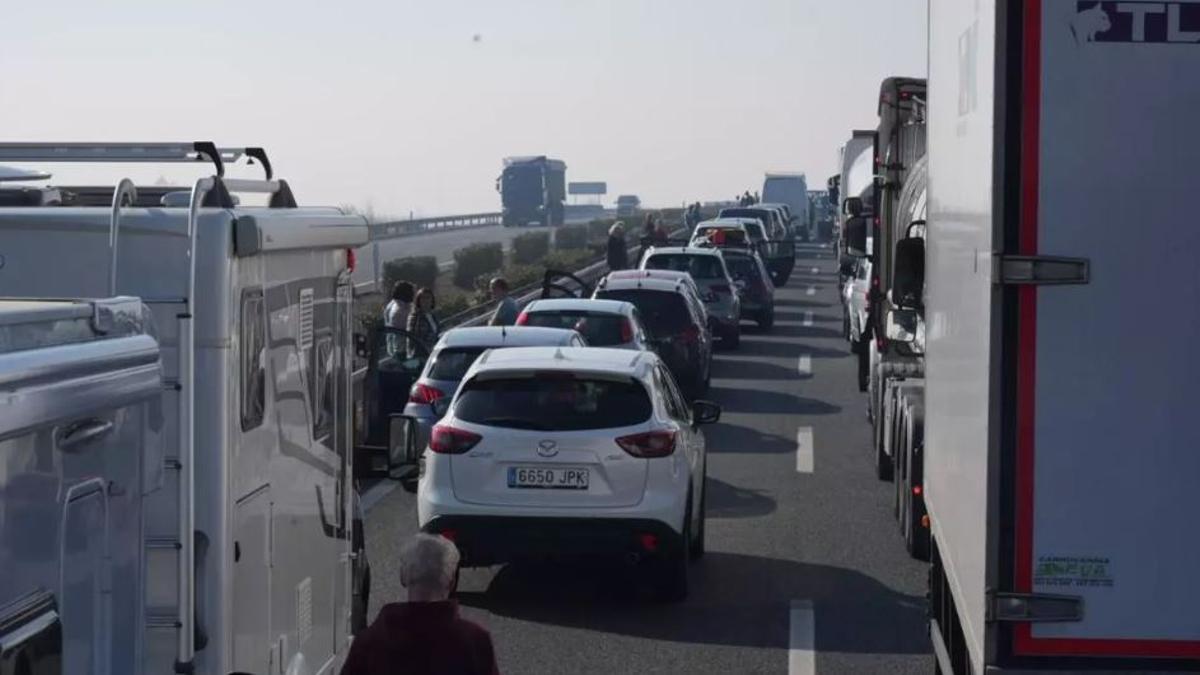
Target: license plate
(547, 479)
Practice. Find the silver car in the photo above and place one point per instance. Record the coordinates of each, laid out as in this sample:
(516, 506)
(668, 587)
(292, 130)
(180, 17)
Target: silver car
(707, 268)
(457, 350)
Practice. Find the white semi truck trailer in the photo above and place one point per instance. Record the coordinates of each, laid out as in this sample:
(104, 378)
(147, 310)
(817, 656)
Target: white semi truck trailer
(1061, 443)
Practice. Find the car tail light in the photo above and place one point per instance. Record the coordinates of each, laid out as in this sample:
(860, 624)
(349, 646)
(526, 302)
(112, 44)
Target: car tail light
(450, 535)
(446, 440)
(690, 334)
(917, 490)
(523, 319)
(649, 444)
(626, 330)
(423, 393)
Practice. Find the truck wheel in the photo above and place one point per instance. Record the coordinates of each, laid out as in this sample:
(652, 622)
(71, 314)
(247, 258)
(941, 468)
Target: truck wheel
(883, 463)
(864, 365)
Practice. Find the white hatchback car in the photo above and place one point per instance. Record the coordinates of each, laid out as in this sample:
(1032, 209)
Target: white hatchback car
(603, 323)
(549, 451)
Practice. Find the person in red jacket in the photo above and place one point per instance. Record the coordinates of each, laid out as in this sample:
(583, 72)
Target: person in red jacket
(426, 635)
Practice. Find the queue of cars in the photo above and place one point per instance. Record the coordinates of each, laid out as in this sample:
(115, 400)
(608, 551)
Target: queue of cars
(578, 431)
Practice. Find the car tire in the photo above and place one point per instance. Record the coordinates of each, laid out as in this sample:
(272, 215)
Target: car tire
(766, 320)
(673, 566)
(696, 550)
(862, 350)
(883, 463)
(360, 602)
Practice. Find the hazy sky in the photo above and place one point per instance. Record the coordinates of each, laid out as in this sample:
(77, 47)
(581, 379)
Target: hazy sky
(398, 106)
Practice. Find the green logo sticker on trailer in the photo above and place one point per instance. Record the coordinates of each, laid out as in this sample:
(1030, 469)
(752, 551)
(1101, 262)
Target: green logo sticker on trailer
(1072, 571)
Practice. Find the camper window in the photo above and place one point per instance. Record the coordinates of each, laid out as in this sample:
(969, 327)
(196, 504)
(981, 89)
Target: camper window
(323, 381)
(253, 375)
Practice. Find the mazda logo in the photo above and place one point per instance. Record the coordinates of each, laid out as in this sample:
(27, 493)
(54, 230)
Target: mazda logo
(547, 449)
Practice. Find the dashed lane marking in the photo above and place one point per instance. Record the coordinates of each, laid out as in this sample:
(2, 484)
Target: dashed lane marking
(808, 319)
(812, 290)
(816, 270)
(802, 653)
(804, 450)
(805, 364)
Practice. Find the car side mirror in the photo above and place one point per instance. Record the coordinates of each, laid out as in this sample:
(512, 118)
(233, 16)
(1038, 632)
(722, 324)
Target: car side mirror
(440, 406)
(361, 349)
(853, 206)
(901, 325)
(705, 412)
(402, 447)
(856, 236)
(908, 276)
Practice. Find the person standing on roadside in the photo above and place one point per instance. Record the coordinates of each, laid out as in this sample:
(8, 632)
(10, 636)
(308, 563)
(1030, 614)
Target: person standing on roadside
(395, 314)
(421, 324)
(618, 253)
(506, 310)
(425, 635)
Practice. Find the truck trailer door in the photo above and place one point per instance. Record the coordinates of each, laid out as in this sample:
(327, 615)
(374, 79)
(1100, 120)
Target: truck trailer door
(1107, 438)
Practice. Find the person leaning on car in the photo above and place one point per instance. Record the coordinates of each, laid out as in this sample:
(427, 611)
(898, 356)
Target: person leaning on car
(426, 635)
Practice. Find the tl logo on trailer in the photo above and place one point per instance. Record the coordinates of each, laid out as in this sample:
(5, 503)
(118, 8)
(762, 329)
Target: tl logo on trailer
(1154, 22)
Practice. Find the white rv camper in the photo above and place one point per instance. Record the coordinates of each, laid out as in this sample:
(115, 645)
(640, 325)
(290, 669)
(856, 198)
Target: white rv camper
(244, 557)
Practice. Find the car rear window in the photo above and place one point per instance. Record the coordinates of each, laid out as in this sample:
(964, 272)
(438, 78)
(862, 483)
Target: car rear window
(662, 312)
(600, 330)
(699, 266)
(452, 364)
(742, 267)
(553, 401)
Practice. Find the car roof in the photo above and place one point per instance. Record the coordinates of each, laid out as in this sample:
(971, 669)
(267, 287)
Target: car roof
(671, 276)
(635, 364)
(582, 304)
(683, 250)
(723, 223)
(504, 336)
(655, 283)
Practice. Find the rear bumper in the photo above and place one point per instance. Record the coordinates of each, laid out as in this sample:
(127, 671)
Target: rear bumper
(488, 540)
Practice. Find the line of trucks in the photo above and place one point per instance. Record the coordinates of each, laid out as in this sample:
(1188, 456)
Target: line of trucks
(996, 231)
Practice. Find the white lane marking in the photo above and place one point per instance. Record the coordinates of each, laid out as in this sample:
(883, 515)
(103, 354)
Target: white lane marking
(802, 650)
(804, 450)
(376, 493)
(816, 270)
(805, 365)
(812, 290)
(808, 319)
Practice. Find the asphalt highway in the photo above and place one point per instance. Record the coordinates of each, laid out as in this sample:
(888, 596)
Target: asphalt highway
(805, 570)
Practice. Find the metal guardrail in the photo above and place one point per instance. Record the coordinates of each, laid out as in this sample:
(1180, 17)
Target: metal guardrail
(407, 228)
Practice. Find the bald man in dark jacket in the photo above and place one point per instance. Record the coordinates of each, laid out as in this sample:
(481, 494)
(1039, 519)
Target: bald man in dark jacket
(426, 635)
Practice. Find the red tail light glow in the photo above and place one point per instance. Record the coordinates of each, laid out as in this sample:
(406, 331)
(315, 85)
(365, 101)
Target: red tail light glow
(351, 259)
(917, 490)
(649, 542)
(523, 319)
(446, 440)
(626, 330)
(423, 393)
(649, 444)
(690, 334)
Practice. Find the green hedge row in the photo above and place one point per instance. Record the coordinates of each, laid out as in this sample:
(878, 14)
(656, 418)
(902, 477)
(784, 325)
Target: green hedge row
(570, 237)
(419, 270)
(475, 260)
(530, 247)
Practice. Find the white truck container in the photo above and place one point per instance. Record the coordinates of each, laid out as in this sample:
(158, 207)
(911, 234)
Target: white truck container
(1062, 447)
(790, 189)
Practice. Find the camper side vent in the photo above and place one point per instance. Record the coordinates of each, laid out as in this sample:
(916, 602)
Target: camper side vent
(305, 339)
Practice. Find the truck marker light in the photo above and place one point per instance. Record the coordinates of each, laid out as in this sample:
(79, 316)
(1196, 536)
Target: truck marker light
(925, 522)
(917, 490)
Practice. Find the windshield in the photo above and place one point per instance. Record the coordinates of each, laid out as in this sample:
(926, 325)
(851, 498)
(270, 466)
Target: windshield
(701, 267)
(662, 312)
(451, 364)
(553, 402)
(600, 330)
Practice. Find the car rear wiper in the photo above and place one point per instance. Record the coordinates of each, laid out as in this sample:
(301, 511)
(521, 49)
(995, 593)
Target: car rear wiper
(515, 423)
